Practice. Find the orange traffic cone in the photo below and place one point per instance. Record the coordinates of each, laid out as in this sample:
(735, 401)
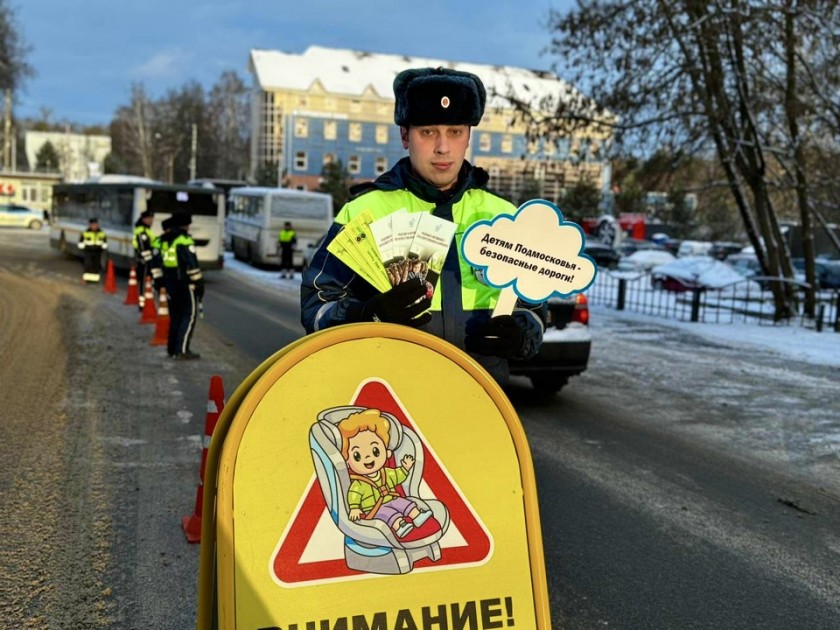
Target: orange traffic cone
(215, 404)
(149, 314)
(110, 279)
(132, 296)
(161, 335)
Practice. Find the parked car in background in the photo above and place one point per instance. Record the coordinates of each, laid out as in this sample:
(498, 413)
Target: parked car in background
(14, 215)
(694, 248)
(310, 249)
(645, 260)
(827, 272)
(630, 245)
(745, 264)
(603, 255)
(722, 249)
(565, 349)
(700, 272)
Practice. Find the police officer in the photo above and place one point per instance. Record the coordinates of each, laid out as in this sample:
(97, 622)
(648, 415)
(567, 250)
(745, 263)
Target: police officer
(143, 243)
(156, 265)
(286, 241)
(184, 285)
(435, 109)
(92, 242)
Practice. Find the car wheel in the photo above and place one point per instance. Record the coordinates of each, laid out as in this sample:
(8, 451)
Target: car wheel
(35, 225)
(548, 384)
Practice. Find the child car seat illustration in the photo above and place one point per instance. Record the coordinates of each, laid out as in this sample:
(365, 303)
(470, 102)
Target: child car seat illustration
(371, 545)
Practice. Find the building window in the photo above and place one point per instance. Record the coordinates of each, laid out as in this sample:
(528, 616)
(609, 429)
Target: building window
(354, 164)
(355, 132)
(381, 134)
(329, 158)
(355, 105)
(300, 187)
(381, 165)
(484, 143)
(302, 100)
(533, 147)
(300, 161)
(329, 103)
(301, 127)
(507, 143)
(330, 130)
(384, 108)
(493, 171)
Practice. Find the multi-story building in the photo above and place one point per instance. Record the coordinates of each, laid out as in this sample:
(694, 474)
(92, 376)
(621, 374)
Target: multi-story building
(329, 104)
(81, 156)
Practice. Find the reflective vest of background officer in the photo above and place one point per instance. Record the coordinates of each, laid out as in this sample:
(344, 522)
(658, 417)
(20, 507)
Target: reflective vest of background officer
(142, 243)
(286, 241)
(92, 242)
(184, 286)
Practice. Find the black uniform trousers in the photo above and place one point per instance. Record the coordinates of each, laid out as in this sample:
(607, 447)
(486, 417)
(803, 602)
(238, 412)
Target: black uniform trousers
(92, 260)
(183, 310)
(286, 252)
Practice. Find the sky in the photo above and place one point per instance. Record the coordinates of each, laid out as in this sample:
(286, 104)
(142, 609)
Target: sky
(87, 54)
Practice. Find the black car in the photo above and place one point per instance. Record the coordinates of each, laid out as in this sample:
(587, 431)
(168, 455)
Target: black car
(630, 245)
(722, 249)
(603, 255)
(565, 349)
(827, 272)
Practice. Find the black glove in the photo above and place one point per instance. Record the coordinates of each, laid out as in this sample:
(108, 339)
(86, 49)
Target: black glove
(199, 290)
(401, 305)
(157, 283)
(499, 336)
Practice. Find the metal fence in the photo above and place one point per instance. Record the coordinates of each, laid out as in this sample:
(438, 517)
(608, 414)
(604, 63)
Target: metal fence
(743, 301)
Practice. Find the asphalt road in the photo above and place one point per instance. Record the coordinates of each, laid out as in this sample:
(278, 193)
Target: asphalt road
(658, 507)
(682, 484)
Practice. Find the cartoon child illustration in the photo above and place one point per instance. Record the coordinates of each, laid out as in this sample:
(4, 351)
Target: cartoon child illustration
(372, 492)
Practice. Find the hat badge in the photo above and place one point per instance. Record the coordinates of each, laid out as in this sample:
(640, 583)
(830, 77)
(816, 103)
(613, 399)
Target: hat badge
(444, 102)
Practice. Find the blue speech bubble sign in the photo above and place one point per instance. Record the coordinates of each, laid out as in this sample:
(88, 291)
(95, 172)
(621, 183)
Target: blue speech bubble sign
(532, 255)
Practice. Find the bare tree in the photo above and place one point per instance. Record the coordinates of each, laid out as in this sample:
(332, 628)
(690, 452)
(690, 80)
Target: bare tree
(14, 68)
(154, 137)
(702, 77)
(132, 134)
(230, 118)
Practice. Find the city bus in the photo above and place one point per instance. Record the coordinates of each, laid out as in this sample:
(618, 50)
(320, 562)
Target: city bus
(224, 184)
(118, 201)
(257, 215)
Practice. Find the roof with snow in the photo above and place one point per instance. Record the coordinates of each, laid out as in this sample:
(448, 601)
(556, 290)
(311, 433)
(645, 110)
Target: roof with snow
(353, 73)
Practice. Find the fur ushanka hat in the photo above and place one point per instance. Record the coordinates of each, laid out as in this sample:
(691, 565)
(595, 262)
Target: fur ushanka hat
(438, 96)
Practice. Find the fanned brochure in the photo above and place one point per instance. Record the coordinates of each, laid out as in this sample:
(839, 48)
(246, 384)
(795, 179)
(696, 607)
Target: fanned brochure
(398, 247)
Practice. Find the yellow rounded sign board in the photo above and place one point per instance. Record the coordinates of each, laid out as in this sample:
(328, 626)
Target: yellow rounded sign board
(376, 477)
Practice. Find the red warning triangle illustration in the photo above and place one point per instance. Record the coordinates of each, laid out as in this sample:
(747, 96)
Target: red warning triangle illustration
(311, 548)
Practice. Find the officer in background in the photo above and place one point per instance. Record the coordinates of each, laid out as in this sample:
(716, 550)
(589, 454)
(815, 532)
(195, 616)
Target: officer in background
(286, 241)
(435, 109)
(156, 264)
(184, 285)
(92, 242)
(143, 243)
